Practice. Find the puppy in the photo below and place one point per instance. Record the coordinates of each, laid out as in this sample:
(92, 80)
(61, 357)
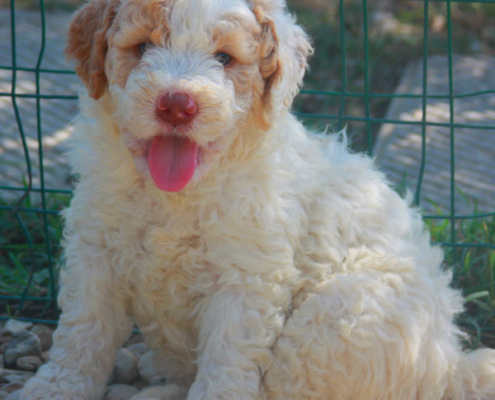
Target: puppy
(259, 261)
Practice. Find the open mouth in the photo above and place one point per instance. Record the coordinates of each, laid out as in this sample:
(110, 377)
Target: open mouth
(172, 161)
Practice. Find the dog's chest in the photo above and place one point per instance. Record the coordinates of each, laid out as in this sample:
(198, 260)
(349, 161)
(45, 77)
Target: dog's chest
(173, 277)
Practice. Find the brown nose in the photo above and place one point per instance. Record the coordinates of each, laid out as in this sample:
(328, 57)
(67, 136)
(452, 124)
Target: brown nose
(176, 108)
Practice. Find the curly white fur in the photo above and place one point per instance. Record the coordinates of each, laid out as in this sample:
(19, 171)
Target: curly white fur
(287, 269)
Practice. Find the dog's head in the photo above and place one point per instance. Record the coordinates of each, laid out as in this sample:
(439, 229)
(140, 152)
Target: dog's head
(187, 77)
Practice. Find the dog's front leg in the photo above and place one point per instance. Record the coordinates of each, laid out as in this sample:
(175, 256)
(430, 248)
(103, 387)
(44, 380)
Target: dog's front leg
(236, 330)
(93, 323)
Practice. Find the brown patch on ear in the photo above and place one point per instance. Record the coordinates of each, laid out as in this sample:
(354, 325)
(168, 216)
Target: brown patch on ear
(270, 65)
(87, 43)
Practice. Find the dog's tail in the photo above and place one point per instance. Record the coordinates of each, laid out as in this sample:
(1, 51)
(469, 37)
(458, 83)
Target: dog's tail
(474, 378)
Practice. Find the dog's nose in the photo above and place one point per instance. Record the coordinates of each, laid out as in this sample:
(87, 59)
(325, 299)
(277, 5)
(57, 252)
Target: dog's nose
(176, 108)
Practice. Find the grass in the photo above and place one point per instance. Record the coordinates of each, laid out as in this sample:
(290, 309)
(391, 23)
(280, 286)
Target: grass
(22, 264)
(473, 272)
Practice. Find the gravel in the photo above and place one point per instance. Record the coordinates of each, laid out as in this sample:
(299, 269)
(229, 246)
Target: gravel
(29, 363)
(23, 349)
(12, 326)
(121, 392)
(126, 367)
(22, 343)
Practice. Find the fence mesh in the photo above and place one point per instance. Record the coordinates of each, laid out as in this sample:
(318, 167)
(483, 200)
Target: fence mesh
(39, 243)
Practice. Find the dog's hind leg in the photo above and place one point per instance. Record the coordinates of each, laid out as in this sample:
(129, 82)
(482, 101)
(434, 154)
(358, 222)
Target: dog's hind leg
(475, 377)
(380, 330)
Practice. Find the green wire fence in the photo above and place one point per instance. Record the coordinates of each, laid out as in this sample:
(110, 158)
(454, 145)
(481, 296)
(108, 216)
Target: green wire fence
(20, 209)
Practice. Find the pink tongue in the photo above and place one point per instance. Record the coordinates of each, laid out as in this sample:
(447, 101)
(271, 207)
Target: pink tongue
(172, 162)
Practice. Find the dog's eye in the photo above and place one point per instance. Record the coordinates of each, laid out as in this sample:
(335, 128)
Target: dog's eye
(143, 47)
(223, 58)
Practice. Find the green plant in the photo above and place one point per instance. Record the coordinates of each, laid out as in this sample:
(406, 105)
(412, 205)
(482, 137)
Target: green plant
(24, 260)
(473, 270)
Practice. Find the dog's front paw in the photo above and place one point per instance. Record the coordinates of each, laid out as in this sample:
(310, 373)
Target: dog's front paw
(54, 382)
(39, 389)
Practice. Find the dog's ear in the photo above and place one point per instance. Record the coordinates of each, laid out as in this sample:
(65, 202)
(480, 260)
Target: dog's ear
(87, 43)
(284, 54)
